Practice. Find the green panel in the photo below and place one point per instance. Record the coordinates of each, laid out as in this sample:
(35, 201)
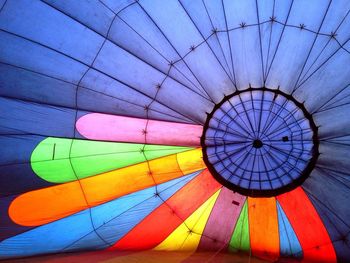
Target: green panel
(240, 238)
(50, 159)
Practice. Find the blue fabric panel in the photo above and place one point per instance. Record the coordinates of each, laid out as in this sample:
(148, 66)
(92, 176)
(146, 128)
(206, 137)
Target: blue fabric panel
(152, 48)
(20, 117)
(117, 222)
(118, 6)
(7, 227)
(329, 192)
(36, 21)
(78, 229)
(289, 244)
(26, 85)
(338, 229)
(101, 93)
(92, 13)
(16, 174)
(24, 53)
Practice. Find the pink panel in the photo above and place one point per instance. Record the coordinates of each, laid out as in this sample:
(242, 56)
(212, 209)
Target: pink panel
(222, 220)
(97, 126)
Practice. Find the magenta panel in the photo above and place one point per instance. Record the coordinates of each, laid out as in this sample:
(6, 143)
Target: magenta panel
(97, 126)
(222, 220)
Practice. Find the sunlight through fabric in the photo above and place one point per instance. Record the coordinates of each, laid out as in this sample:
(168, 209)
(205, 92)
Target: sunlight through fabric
(188, 128)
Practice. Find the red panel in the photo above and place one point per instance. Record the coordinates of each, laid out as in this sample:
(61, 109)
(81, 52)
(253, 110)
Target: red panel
(312, 234)
(166, 218)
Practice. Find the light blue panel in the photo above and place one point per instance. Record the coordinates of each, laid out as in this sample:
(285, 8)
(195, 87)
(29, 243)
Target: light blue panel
(120, 218)
(289, 243)
(50, 238)
(110, 217)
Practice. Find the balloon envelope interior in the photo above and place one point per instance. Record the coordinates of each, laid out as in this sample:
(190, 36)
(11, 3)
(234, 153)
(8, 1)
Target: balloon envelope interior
(187, 126)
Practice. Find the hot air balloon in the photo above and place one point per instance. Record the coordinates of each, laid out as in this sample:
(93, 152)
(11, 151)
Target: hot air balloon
(189, 126)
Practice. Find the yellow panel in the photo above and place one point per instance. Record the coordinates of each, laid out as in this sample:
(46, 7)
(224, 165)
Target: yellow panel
(186, 237)
(190, 159)
(52, 203)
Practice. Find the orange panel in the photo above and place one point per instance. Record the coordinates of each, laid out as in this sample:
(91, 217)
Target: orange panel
(263, 228)
(313, 236)
(49, 204)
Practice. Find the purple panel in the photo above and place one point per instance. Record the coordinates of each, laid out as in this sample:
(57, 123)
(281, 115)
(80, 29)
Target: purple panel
(222, 220)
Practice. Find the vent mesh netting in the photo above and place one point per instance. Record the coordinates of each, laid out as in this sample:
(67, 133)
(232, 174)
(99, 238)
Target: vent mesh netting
(175, 125)
(246, 143)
